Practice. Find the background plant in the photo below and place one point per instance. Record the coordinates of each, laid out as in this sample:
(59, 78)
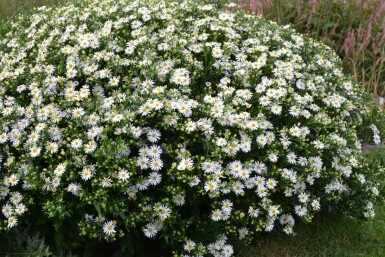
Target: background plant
(354, 29)
(19, 242)
(9, 9)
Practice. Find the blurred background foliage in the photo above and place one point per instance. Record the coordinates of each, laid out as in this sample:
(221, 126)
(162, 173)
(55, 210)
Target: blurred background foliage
(355, 29)
(10, 8)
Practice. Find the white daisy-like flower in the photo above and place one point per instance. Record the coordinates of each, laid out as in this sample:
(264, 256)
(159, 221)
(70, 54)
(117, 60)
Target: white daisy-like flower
(76, 143)
(164, 212)
(156, 164)
(295, 131)
(316, 205)
(190, 126)
(109, 228)
(153, 135)
(52, 147)
(74, 188)
(3, 138)
(143, 162)
(12, 221)
(195, 181)
(16, 197)
(228, 250)
(179, 199)
(211, 185)
(216, 215)
(217, 52)
(227, 206)
(20, 208)
(106, 182)
(253, 212)
(318, 144)
(273, 211)
(90, 147)
(86, 173)
(123, 175)
(243, 232)
(189, 246)
(60, 169)
(150, 230)
(154, 178)
(35, 151)
(155, 151)
(7, 210)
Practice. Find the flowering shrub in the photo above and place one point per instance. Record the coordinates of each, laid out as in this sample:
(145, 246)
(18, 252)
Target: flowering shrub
(191, 123)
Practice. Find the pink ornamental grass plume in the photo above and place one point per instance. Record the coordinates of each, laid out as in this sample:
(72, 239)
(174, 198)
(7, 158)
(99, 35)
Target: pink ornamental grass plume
(349, 43)
(253, 6)
(354, 29)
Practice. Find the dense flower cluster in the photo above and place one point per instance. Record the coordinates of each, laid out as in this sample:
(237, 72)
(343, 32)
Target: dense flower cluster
(176, 118)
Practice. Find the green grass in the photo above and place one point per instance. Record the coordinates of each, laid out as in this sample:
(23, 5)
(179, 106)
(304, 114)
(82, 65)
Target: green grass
(10, 8)
(329, 236)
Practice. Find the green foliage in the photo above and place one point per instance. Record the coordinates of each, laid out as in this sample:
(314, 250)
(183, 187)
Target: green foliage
(4, 26)
(329, 235)
(374, 115)
(9, 9)
(18, 243)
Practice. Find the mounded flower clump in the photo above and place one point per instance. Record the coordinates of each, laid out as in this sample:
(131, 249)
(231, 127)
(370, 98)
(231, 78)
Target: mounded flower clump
(187, 122)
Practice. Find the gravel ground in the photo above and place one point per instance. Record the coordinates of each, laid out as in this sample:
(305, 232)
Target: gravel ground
(366, 148)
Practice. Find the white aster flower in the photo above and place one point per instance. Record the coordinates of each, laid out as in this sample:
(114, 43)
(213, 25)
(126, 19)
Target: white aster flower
(109, 228)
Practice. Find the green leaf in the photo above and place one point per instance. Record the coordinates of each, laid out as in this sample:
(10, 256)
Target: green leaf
(329, 25)
(97, 207)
